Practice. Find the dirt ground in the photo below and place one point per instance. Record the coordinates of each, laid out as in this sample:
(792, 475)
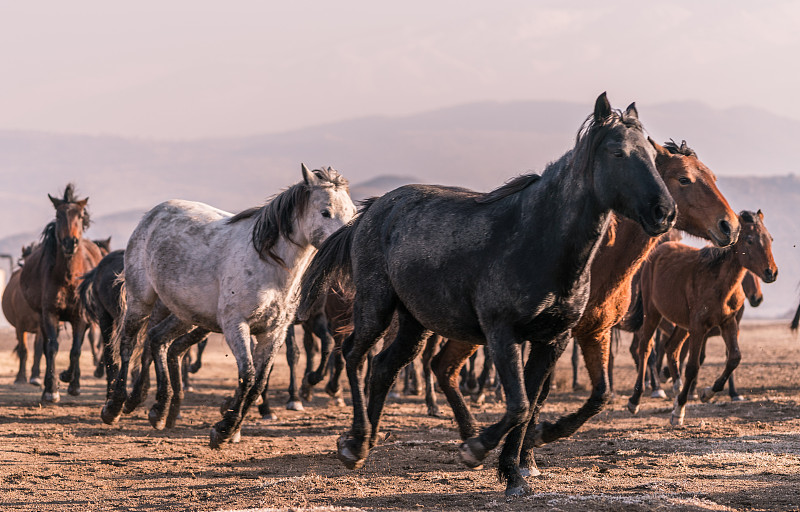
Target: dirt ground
(730, 456)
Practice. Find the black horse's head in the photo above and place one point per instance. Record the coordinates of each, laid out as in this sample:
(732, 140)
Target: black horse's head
(613, 147)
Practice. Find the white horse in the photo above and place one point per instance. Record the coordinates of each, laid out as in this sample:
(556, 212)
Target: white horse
(238, 275)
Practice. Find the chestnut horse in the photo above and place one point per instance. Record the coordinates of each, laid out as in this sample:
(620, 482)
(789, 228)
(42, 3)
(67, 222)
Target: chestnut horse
(50, 279)
(702, 211)
(25, 320)
(699, 290)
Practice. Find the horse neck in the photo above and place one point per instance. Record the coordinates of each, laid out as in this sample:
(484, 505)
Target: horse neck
(622, 252)
(68, 269)
(571, 223)
(296, 258)
(731, 271)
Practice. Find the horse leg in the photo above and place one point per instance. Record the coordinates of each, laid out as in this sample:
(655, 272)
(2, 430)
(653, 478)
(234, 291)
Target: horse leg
(696, 340)
(310, 347)
(653, 363)
(372, 314)
(730, 333)
(516, 457)
(595, 348)
(575, 362)
(407, 345)
(332, 388)
(446, 366)
(93, 336)
(38, 350)
(321, 330)
(175, 358)
(198, 361)
(107, 363)
(78, 333)
(22, 353)
(253, 372)
(161, 337)
(430, 387)
(292, 358)
(141, 382)
(508, 360)
(49, 327)
(615, 339)
(645, 344)
(673, 347)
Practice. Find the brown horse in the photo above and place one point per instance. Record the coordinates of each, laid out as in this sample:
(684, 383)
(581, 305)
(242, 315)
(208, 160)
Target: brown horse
(699, 290)
(751, 286)
(702, 211)
(796, 319)
(25, 320)
(49, 281)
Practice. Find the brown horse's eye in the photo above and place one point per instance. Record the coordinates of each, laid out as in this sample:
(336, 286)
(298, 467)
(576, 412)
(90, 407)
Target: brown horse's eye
(683, 180)
(326, 214)
(749, 240)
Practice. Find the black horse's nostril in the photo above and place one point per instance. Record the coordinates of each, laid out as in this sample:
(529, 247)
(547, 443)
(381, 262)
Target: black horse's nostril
(725, 227)
(673, 216)
(659, 214)
(770, 276)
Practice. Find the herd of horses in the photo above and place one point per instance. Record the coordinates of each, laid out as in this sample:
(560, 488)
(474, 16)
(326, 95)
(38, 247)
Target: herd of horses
(576, 252)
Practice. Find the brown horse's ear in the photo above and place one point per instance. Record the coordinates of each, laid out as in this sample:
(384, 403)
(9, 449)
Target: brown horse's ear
(760, 215)
(56, 201)
(82, 203)
(631, 111)
(658, 147)
(602, 108)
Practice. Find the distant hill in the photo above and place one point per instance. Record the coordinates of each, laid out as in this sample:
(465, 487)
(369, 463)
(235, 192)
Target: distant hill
(477, 146)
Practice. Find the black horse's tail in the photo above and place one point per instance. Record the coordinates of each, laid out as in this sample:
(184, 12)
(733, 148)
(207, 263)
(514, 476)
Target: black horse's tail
(331, 263)
(796, 319)
(634, 319)
(86, 295)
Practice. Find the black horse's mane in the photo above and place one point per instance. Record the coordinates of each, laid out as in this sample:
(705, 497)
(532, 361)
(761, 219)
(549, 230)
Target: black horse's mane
(683, 149)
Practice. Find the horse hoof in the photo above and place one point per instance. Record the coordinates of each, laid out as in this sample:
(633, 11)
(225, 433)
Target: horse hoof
(65, 376)
(215, 439)
(394, 395)
(632, 407)
(738, 398)
(676, 421)
(74, 390)
(707, 394)
(659, 393)
(518, 490)
(529, 472)
(108, 416)
(36, 381)
(663, 376)
(270, 416)
(479, 399)
(157, 421)
(434, 412)
(189, 389)
(346, 455)
(538, 435)
(295, 405)
(20, 380)
(472, 452)
(51, 398)
(237, 437)
(336, 402)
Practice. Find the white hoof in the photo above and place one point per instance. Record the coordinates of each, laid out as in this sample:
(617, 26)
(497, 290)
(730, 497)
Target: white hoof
(295, 405)
(236, 437)
(659, 393)
(529, 472)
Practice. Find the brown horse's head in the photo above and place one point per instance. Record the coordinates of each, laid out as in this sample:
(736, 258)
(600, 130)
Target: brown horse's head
(754, 247)
(702, 209)
(71, 219)
(752, 289)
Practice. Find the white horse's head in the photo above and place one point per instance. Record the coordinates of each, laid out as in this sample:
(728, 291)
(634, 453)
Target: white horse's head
(329, 206)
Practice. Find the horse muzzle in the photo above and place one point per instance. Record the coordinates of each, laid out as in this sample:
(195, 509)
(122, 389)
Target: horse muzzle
(69, 246)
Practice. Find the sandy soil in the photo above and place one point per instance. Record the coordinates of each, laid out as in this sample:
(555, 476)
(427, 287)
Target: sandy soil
(730, 456)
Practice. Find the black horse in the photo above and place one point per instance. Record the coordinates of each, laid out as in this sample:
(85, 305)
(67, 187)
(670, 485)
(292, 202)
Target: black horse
(493, 268)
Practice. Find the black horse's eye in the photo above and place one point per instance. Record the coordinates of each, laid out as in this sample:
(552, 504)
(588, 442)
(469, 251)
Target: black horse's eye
(750, 240)
(619, 153)
(683, 180)
(326, 214)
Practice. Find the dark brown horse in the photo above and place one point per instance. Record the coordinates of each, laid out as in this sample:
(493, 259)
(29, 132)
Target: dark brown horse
(796, 319)
(699, 290)
(50, 279)
(25, 320)
(702, 211)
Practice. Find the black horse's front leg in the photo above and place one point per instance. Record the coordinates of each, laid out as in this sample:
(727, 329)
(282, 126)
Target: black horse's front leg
(49, 329)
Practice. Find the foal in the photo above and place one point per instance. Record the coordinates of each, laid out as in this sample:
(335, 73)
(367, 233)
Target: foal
(699, 290)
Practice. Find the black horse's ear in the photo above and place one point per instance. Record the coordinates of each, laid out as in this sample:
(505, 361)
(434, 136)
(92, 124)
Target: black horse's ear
(56, 201)
(602, 108)
(631, 111)
(747, 216)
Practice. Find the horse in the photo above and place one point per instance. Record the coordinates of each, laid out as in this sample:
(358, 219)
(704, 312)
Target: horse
(24, 320)
(49, 281)
(235, 274)
(751, 287)
(795, 320)
(459, 263)
(702, 211)
(699, 290)
(93, 334)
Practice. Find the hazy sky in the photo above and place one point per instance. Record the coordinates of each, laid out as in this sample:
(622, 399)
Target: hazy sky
(196, 68)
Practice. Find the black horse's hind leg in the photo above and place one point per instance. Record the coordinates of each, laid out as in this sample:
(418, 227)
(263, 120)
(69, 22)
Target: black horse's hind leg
(107, 361)
(447, 366)
(408, 344)
(263, 408)
(175, 356)
(38, 350)
(430, 388)
(576, 354)
(198, 361)
(292, 359)
(336, 365)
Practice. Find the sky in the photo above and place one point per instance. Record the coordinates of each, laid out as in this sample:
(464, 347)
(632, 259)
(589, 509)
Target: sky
(189, 69)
